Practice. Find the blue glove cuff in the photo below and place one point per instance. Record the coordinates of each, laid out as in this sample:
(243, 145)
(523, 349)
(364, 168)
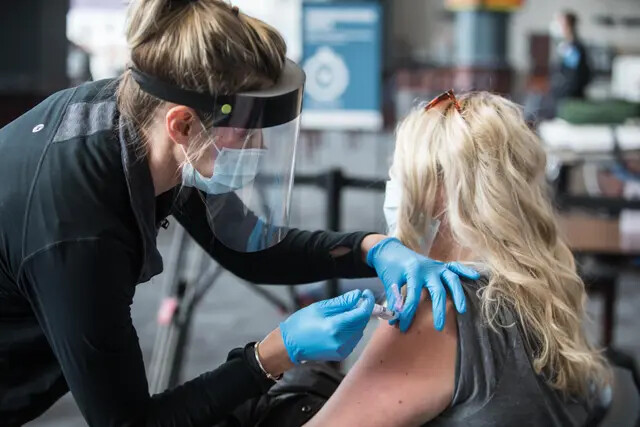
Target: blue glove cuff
(373, 252)
(287, 346)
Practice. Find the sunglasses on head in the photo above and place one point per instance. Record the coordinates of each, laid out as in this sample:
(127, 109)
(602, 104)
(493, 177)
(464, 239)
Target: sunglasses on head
(448, 95)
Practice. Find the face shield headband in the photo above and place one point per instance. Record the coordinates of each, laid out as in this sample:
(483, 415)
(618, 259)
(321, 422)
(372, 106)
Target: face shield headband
(277, 105)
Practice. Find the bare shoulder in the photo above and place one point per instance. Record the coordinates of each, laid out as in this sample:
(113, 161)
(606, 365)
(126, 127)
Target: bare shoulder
(422, 335)
(401, 378)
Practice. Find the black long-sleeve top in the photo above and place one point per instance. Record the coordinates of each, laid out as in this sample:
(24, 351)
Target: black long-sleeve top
(78, 226)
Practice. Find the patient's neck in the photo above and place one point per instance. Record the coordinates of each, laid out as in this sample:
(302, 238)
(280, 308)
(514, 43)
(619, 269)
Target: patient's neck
(446, 249)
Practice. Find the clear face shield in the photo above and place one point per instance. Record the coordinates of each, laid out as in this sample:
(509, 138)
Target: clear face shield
(252, 148)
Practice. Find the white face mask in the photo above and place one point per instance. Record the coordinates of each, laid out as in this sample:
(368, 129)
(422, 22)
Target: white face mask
(392, 200)
(233, 169)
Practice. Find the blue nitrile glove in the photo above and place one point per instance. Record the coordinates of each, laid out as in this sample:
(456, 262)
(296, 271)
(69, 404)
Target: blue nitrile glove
(397, 264)
(327, 330)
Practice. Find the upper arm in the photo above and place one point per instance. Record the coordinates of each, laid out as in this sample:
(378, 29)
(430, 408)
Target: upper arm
(81, 293)
(400, 379)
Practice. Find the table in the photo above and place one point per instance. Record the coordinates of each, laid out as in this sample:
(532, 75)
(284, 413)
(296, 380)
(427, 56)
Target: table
(599, 237)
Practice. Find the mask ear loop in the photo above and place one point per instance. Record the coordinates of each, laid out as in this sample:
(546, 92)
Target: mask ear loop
(188, 160)
(191, 177)
(213, 138)
(210, 215)
(186, 156)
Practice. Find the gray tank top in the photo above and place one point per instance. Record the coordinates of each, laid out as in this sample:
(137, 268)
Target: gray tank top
(495, 381)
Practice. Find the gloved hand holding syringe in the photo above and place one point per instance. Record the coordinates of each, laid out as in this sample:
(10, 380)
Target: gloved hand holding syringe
(385, 313)
(330, 329)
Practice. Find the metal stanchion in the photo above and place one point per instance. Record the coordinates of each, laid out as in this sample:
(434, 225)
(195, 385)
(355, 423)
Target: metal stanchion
(333, 182)
(166, 340)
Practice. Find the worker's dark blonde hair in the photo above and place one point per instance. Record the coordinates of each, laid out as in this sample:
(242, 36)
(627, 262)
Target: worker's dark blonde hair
(203, 45)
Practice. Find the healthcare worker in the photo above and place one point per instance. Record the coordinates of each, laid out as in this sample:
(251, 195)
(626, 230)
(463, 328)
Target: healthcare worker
(204, 127)
(572, 73)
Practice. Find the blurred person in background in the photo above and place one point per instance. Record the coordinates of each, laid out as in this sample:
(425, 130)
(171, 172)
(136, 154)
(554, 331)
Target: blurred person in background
(572, 72)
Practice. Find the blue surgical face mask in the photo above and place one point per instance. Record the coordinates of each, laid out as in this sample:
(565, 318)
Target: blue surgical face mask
(233, 169)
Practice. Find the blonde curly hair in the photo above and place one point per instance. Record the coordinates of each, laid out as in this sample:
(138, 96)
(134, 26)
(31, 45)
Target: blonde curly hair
(487, 167)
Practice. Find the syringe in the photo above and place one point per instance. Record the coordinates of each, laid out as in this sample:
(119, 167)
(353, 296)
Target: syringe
(383, 313)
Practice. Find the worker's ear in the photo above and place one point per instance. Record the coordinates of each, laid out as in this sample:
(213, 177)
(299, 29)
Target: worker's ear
(181, 123)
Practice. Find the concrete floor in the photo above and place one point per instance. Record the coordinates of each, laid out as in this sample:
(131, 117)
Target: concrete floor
(232, 314)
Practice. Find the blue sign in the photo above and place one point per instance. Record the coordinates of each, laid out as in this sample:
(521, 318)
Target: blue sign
(342, 44)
